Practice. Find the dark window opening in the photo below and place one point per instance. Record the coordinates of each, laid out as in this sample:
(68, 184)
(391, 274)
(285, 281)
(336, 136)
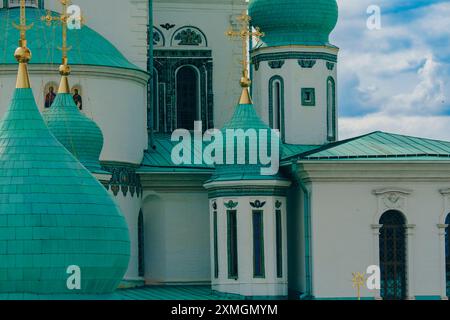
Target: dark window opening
(187, 98)
(393, 256)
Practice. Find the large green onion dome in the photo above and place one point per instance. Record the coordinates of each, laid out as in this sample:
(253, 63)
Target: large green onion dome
(89, 47)
(246, 120)
(53, 213)
(294, 22)
(79, 134)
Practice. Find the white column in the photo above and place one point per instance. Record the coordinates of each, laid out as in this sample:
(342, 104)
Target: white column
(442, 262)
(376, 250)
(410, 260)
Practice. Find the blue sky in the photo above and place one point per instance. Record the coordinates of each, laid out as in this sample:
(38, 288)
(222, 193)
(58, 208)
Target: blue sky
(395, 79)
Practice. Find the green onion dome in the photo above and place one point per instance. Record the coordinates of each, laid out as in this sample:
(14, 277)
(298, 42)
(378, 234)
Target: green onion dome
(79, 134)
(53, 213)
(89, 47)
(246, 120)
(294, 22)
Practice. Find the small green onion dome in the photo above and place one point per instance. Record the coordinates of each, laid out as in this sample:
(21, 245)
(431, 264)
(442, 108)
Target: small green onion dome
(246, 120)
(294, 22)
(79, 134)
(53, 214)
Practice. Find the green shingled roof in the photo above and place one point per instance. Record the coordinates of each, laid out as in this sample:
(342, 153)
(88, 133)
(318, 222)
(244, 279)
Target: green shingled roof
(53, 212)
(79, 134)
(89, 47)
(381, 146)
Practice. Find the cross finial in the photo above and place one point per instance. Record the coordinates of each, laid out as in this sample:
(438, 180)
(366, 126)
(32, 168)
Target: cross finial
(245, 33)
(22, 53)
(22, 26)
(63, 20)
(358, 281)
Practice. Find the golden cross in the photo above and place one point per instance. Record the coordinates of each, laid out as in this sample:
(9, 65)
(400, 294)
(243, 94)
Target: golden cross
(63, 20)
(244, 33)
(358, 281)
(23, 25)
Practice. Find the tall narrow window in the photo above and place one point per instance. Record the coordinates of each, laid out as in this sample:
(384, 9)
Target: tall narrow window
(187, 97)
(232, 244)
(258, 244)
(141, 250)
(155, 106)
(216, 257)
(393, 256)
(276, 104)
(331, 109)
(279, 243)
(447, 254)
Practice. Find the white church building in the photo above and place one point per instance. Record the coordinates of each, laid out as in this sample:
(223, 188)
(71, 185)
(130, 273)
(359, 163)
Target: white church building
(146, 68)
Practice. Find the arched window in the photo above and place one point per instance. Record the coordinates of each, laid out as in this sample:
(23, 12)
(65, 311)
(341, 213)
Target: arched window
(141, 250)
(393, 255)
(331, 109)
(276, 104)
(447, 254)
(187, 97)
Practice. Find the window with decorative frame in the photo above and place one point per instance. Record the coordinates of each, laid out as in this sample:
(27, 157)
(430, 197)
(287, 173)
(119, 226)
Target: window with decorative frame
(392, 244)
(232, 244)
(258, 244)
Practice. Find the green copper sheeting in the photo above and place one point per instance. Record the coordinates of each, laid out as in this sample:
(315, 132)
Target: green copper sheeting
(294, 22)
(245, 118)
(89, 47)
(53, 212)
(382, 146)
(79, 134)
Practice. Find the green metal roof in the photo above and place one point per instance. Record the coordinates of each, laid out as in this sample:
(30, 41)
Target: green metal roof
(53, 212)
(79, 134)
(381, 146)
(159, 159)
(163, 293)
(88, 47)
(294, 22)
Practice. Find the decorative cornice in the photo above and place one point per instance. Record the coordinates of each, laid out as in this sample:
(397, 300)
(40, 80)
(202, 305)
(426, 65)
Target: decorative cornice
(391, 190)
(294, 56)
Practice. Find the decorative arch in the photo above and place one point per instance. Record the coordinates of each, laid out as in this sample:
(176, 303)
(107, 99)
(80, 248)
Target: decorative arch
(393, 255)
(331, 109)
(188, 36)
(276, 104)
(159, 40)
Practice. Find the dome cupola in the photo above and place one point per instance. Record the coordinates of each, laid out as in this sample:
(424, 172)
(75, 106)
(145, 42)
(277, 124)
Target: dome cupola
(294, 22)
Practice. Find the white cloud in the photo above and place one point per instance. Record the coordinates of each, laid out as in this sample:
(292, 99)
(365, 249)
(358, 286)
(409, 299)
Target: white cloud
(434, 127)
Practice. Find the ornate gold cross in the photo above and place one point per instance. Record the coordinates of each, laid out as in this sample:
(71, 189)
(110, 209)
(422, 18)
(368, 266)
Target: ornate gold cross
(358, 282)
(23, 25)
(63, 20)
(244, 33)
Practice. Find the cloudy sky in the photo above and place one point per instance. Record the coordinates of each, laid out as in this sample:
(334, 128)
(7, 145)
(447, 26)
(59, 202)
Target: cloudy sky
(397, 78)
